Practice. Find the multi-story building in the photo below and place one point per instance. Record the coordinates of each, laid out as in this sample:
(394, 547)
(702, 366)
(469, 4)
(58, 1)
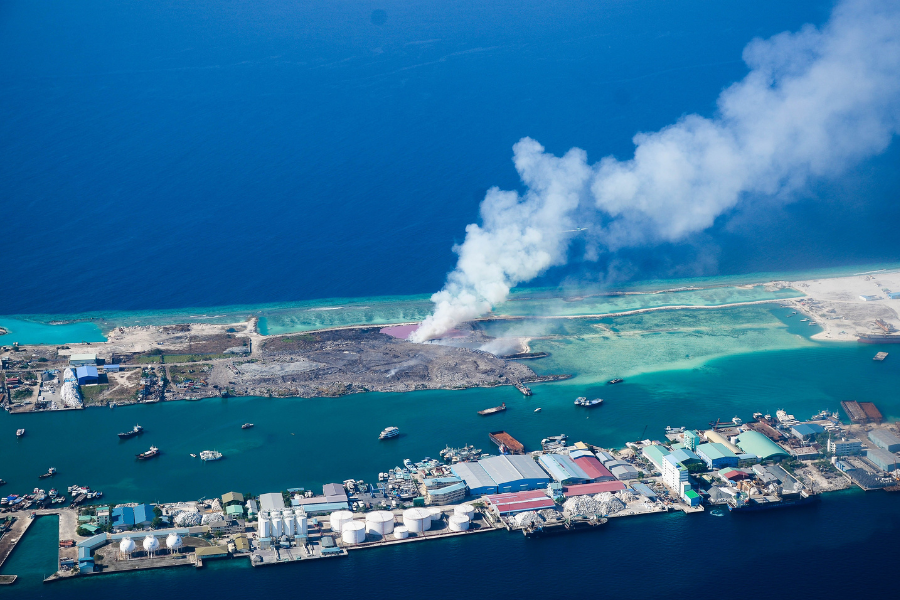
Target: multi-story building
(844, 447)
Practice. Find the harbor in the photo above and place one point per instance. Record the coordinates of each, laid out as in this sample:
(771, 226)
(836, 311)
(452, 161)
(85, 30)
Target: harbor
(565, 487)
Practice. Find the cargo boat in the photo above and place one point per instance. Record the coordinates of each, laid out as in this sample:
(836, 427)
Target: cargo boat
(130, 434)
(490, 411)
(549, 529)
(153, 451)
(757, 506)
(507, 443)
(879, 338)
(525, 391)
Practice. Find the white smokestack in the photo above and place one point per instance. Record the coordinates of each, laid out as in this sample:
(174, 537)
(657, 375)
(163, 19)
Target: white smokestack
(814, 103)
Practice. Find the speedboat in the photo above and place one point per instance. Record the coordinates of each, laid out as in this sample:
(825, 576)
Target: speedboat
(389, 432)
(20, 432)
(193, 456)
(538, 409)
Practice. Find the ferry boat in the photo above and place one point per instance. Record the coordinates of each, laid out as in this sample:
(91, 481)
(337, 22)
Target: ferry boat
(50, 473)
(614, 381)
(389, 432)
(208, 455)
(589, 403)
(153, 451)
(490, 411)
(130, 434)
(246, 425)
(20, 432)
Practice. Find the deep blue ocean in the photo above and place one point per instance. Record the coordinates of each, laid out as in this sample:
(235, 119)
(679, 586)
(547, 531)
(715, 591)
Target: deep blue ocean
(170, 154)
(216, 152)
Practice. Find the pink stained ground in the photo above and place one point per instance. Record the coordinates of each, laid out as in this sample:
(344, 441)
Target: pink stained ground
(403, 331)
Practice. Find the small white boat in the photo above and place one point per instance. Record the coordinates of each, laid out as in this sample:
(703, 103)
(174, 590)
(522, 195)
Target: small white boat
(20, 432)
(538, 409)
(193, 456)
(737, 421)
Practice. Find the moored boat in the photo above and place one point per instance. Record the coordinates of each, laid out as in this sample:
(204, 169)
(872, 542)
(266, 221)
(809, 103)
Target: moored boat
(153, 451)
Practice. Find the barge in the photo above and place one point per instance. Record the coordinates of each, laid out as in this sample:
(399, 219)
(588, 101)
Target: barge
(507, 442)
(491, 411)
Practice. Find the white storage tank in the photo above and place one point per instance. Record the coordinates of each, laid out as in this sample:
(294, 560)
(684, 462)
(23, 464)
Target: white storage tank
(401, 532)
(380, 522)
(465, 509)
(126, 546)
(436, 514)
(338, 518)
(353, 532)
(459, 522)
(151, 544)
(302, 524)
(417, 520)
(174, 542)
(265, 528)
(288, 524)
(277, 527)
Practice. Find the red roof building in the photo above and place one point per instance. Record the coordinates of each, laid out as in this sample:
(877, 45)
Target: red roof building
(593, 488)
(594, 468)
(505, 504)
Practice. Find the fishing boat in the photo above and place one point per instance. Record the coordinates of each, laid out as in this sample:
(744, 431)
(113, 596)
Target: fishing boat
(50, 473)
(208, 455)
(153, 451)
(246, 425)
(615, 381)
(491, 411)
(130, 434)
(389, 432)
(20, 432)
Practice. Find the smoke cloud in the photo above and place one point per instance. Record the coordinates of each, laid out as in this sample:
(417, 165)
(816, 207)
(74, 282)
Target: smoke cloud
(814, 103)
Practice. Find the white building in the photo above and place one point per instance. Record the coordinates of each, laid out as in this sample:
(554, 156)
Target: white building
(675, 475)
(844, 447)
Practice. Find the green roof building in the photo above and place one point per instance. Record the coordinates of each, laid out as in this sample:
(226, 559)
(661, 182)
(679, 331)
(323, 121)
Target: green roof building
(692, 440)
(655, 454)
(756, 443)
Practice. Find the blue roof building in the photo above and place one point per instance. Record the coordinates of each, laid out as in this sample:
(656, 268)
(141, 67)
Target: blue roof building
(515, 473)
(563, 469)
(86, 374)
(476, 478)
(717, 456)
(806, 430)
(123, 516)
(143, 514)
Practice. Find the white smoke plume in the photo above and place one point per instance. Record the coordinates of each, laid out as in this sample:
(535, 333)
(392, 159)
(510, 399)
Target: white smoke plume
(814, 103)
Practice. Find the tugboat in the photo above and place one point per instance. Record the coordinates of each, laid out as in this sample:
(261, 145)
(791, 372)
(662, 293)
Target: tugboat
(614, 381)
(153, 451)
(130, 434)
(389, 432)
(246, 425)
(50, 473)
(207, 455)
(20, 432)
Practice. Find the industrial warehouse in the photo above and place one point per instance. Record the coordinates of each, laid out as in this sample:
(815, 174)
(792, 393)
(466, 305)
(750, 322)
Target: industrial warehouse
(559, 489)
